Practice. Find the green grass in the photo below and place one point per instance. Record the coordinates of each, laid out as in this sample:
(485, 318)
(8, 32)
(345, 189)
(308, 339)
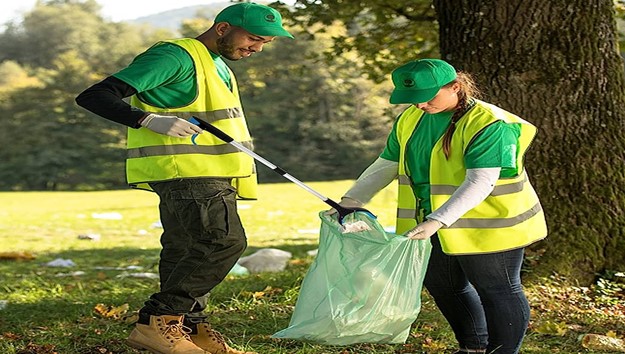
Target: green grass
(50, 311)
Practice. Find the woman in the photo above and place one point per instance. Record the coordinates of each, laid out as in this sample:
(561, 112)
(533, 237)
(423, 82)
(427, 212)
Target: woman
(462, 184)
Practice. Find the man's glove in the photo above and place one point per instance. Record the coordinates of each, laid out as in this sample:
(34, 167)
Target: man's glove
(347, 203)
(424, 230)
(170, 125)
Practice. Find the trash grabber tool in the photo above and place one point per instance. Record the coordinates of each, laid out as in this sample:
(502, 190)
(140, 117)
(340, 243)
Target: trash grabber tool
(342, 211)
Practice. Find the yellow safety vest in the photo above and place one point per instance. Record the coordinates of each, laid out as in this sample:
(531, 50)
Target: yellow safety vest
(510, 217)
(156, 157)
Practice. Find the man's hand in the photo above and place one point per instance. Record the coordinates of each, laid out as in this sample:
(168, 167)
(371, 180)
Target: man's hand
(424, 230)
(170, 125)
(347, 203)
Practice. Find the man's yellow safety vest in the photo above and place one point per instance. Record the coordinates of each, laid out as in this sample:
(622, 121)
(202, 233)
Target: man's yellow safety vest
(156, 157)
(510, 217)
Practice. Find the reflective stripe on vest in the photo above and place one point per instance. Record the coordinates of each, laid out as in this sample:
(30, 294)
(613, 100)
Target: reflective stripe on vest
(155, 157)
(511, 216)
(407, 215)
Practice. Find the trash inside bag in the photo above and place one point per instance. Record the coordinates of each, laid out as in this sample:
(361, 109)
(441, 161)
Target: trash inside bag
(362, 287)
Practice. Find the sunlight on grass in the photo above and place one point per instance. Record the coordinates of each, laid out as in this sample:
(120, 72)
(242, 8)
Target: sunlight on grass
(53, 221)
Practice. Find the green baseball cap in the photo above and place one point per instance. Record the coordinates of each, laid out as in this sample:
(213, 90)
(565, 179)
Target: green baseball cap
(420, 80)
(257, 19)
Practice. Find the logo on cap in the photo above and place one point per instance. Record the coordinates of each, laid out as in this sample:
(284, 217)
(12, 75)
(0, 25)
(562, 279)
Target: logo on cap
(409, 82)
(270, 18)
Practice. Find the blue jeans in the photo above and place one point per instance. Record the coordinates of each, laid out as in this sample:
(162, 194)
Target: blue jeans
(481, 297)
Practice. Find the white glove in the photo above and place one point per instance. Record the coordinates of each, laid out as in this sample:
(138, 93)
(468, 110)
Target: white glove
(424, 230)
(345, 202)
(170, 125)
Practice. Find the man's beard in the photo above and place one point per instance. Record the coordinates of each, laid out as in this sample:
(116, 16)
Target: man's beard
(226, 49)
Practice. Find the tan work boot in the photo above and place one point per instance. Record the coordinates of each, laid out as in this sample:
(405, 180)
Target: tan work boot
(164, 335)
(212, 341)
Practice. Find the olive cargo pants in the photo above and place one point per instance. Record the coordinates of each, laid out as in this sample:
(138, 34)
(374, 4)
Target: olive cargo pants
(202, 240)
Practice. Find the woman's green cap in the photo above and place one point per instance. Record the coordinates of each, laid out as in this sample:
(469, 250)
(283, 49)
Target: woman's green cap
(257, 19)
(420, 80)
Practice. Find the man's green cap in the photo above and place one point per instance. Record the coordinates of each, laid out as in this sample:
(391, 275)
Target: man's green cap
(257, 19)
(420, 80)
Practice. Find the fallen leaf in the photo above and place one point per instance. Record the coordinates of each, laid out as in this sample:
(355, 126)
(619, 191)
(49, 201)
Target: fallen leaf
(17, 256)
(10, 336)
(552, 328)
(108, 311)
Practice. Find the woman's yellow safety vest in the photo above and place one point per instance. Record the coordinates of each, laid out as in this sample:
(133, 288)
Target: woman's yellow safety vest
(156, 157)
(510, 217)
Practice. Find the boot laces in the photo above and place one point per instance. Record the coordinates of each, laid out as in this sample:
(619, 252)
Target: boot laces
(177, 330)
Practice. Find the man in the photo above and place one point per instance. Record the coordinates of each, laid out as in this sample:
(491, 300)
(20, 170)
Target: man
(196, 179)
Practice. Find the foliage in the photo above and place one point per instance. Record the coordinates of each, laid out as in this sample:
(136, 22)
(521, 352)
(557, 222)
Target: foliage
(52, 28)
(59, 49)
(383, 33)
(59, 310)
(14, 76)
(619, 7)
(59, 147)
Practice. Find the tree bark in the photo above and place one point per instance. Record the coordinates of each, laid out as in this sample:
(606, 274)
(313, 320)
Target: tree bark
(556, 64)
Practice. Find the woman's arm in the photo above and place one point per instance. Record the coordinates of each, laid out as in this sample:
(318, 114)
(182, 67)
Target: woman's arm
(477, 185)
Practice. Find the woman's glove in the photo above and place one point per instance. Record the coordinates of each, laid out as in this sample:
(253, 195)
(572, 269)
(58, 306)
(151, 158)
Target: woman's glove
(424, 230)
(170, 125)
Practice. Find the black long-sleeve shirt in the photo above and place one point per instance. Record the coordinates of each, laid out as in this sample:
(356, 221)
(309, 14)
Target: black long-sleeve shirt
(106, 99)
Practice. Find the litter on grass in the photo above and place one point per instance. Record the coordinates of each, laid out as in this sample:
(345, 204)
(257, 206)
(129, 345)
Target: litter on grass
(238, 270)
(603, 343)
(60, 262)
(138, 275)
(266, 260)
(91, 237)
(119, 268)
(71, 274)
(107, 216)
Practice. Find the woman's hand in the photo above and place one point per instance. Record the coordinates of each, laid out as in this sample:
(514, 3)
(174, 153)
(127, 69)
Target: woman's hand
(424, 230)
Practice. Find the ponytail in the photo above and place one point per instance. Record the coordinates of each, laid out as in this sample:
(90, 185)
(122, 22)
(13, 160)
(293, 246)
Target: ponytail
(467, 92)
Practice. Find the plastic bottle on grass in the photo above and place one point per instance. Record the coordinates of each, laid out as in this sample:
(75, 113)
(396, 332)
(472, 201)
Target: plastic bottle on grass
(601, 342)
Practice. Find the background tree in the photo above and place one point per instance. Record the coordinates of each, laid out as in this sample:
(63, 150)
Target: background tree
(53, 145)
(555, 64)
(58, 50)
(564, 74)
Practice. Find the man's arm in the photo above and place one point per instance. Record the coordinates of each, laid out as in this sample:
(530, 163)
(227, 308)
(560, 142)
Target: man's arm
(106, 100)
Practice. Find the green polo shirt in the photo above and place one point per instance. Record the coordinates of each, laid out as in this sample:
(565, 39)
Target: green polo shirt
(495, 146)
(164, 75)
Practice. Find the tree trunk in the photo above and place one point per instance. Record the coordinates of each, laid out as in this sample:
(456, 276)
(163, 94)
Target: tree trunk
(556, 64)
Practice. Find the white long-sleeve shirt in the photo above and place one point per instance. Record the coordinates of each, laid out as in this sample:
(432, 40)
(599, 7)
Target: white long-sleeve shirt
(477, 185)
